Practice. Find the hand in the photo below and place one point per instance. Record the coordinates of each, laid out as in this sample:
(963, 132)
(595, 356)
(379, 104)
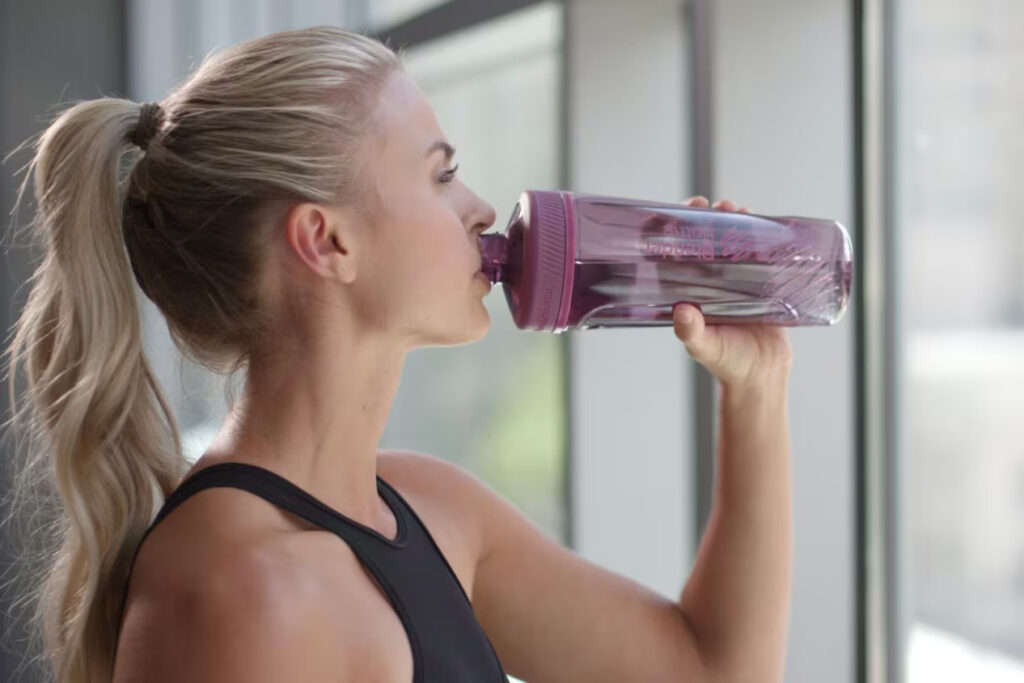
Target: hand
(734, 354)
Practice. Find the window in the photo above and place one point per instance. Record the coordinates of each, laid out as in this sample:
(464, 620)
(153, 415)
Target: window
(959, 216)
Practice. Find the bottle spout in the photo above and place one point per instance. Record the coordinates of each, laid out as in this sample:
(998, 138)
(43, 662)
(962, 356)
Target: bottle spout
(494, 256)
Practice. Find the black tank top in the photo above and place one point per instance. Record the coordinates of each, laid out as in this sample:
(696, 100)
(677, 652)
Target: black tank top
(448, 644)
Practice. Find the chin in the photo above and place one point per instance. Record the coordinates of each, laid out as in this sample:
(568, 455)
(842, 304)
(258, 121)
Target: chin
(478, 329)
(473, 330)
(484, 328)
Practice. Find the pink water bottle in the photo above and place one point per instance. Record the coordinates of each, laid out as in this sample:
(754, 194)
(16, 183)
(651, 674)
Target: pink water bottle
(579, 261)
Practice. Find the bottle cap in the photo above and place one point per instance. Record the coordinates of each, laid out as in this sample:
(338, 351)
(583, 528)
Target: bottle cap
(541, 247)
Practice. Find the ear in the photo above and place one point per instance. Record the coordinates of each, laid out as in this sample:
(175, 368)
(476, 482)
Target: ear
(323, 238)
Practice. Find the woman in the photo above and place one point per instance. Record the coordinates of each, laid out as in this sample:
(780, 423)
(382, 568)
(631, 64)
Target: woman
(293, 212)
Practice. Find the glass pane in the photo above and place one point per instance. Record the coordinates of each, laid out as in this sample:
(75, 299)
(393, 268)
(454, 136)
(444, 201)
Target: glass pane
(495, 407)
(960, 75)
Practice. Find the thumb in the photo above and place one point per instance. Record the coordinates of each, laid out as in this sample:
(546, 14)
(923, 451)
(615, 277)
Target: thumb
(701, 343)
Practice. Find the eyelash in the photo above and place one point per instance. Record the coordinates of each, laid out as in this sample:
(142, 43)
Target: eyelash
(449, 175)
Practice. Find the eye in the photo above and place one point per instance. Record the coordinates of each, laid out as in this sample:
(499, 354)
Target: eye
(449, 175)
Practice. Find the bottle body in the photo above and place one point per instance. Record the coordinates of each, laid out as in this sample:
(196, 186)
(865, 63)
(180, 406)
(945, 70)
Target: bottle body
(577, 261)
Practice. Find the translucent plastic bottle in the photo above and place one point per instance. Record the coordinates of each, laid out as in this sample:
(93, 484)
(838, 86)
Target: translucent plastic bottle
(578, 261)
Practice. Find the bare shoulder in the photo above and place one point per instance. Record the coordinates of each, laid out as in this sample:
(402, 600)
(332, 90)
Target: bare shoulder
(442, 487)
(230, 587)
(458, 495)
(226, 588)
(238, 613)
(427, 474)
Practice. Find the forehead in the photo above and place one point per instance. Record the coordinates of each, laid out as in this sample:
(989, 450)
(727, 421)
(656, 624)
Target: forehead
(407, 120)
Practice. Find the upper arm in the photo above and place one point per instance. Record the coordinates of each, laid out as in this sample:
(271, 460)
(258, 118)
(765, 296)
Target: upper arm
(244, 620)
(554, 616)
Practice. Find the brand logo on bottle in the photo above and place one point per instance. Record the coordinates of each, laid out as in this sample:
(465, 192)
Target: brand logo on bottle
(674, 239)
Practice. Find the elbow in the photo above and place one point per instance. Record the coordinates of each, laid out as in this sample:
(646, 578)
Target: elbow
(718, 664)
(705, 672)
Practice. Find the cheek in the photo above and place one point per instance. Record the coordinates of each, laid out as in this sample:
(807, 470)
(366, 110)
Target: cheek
(422, 246)
(435, 233)
(427, 257)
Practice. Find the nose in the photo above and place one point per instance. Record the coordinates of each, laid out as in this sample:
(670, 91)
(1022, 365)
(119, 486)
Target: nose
(485, 218)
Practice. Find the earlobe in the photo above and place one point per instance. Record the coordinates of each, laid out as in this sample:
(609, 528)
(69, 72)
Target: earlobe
(346, 266)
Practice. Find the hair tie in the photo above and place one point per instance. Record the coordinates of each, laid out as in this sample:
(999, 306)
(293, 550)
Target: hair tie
(150, 118)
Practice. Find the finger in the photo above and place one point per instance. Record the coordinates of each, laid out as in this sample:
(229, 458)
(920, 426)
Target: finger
(725, 205)
(744, 210)
(698, 201)
(689, 325)
(702, 343)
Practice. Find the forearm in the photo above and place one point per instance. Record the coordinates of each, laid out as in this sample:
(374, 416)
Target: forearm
(737, 597)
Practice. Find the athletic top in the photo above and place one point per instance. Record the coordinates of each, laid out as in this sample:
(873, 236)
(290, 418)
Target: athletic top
(448, 644)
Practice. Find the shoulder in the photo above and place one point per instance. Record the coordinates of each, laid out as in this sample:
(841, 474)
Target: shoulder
(239, 612)
(432, 480)
(434, 487)
(227, 588)
(455, 492)
(423, 471)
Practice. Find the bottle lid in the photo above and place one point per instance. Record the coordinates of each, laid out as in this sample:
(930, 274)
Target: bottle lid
(541, 242)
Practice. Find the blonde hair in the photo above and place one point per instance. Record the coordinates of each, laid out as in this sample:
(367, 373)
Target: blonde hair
(258, 126)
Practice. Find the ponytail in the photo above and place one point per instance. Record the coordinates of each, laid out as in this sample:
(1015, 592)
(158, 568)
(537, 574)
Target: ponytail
(102, 437)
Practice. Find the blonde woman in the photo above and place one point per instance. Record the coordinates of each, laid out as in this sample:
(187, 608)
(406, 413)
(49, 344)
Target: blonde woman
(293, 211)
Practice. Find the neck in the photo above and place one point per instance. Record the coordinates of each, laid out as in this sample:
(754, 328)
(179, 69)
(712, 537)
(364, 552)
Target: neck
(314, 413)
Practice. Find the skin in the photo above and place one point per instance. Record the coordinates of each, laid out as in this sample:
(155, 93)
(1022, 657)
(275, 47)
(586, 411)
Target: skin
(229, 587)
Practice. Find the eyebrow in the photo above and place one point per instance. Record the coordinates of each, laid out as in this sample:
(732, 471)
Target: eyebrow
(449, 151)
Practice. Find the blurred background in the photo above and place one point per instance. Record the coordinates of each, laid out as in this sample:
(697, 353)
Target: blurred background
(900, 118)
